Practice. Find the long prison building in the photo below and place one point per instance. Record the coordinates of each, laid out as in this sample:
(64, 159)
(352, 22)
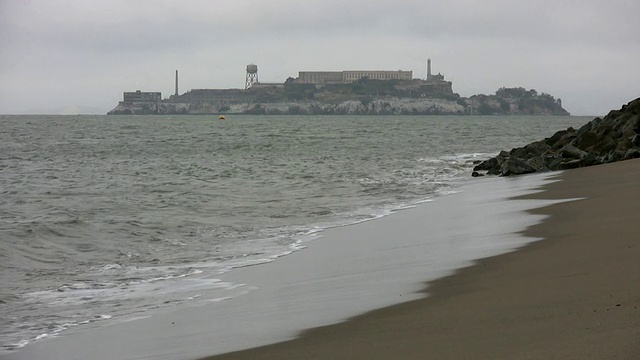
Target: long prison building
(319, 77)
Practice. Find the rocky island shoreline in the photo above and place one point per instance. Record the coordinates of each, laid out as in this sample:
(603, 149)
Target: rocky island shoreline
(342, 93)
(602, 140)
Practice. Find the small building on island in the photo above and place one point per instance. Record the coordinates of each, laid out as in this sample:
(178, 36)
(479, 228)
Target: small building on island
(141, 96)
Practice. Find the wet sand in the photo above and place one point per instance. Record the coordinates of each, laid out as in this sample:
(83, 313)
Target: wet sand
(574, 295)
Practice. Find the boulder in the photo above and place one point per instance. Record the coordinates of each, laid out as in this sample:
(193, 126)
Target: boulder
(561, 138)
(586, 140)
(571, 152)
(516, 166)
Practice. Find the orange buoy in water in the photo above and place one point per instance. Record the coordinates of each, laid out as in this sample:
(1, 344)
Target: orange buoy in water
(221, 117)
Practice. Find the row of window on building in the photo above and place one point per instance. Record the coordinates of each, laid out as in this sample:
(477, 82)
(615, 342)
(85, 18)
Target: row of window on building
(142, 96)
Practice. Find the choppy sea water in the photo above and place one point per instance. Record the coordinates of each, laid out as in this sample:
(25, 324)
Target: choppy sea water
(107, 217)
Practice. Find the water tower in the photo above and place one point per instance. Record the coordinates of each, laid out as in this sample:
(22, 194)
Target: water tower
(252, 75)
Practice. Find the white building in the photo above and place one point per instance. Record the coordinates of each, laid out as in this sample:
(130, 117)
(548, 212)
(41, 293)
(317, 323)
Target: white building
(348, 76)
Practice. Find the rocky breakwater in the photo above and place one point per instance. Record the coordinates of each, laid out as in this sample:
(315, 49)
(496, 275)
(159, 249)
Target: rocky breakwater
(603, 140)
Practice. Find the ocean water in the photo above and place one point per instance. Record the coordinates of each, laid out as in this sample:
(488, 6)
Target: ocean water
(106, 218)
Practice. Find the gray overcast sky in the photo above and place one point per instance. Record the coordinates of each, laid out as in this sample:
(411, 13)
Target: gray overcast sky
(64, 56)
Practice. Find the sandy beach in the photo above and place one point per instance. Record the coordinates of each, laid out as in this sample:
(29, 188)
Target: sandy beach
(574, 295)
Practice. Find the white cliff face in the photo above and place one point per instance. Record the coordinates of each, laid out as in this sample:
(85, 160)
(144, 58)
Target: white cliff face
(146, 108)
(420, 106)
(384, 106)
(350, 108)
(387, 106)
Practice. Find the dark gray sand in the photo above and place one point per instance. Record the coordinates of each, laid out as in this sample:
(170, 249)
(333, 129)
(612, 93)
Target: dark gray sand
(575, 295)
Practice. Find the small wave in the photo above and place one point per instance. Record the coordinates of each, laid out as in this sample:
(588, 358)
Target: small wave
(220, 299)
(109, 267)
(18, 345)
(56, 329)
(322, 212)
(466, 156)
(445, 192)
(69, 221)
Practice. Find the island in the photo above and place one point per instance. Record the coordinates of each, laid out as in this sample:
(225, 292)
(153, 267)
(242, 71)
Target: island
(350, 92)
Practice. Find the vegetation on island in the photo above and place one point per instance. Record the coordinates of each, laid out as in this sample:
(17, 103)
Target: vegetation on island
(515, 101)
(364, 88)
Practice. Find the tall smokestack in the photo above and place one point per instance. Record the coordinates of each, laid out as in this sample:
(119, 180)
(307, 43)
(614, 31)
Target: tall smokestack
(428, 69)
(176, 82)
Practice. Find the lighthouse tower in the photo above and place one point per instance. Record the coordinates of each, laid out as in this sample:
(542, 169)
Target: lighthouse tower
(428, 69)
